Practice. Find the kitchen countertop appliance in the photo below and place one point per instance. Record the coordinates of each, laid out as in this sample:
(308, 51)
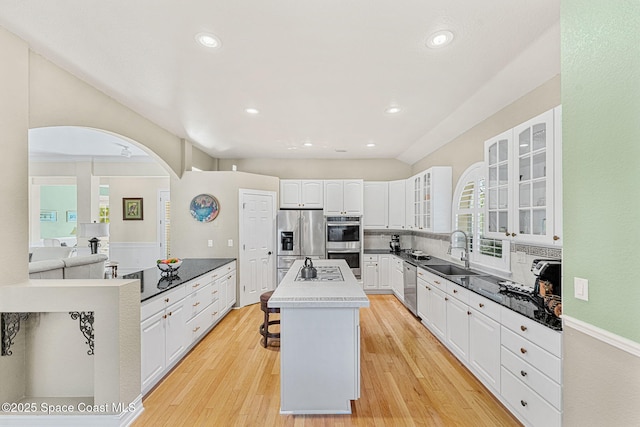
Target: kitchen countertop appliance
(394, 244)
(300, 234)
(547, 289)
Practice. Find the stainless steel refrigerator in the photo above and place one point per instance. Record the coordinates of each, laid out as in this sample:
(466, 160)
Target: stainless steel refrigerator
(300, 234)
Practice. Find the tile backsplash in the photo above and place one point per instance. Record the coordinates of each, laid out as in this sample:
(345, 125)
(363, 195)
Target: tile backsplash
(436, 245)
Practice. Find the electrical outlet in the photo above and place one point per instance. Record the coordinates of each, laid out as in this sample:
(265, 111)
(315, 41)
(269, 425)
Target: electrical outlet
(581, 288)
(230, 243)
(210, 243)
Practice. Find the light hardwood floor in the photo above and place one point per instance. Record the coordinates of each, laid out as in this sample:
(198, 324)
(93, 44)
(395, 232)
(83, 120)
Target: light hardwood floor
(408, 379)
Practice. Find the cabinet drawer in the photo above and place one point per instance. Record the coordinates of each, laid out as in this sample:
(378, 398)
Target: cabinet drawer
(199, 324)
(484, 306)
(534, 379)
(215, 292)
(435, 280)
(196, 284)
(542, 360)
(527, 403)
(162, 301)
(396, 262)
(544, 337)
(199, 300)
(370, 257)
(229, 267)
(458, 292)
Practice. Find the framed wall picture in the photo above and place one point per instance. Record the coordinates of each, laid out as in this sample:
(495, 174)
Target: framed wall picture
(72, 216)
(132, 208)
(48, 216)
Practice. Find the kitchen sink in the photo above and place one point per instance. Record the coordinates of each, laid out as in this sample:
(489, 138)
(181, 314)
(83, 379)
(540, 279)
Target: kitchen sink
(451, 270)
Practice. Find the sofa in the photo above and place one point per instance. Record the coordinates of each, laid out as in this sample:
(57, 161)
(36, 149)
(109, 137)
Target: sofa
(78, 267)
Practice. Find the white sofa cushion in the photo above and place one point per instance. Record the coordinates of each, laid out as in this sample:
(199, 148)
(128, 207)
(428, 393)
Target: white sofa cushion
(47, 269)
(55, 252)
(85, 267)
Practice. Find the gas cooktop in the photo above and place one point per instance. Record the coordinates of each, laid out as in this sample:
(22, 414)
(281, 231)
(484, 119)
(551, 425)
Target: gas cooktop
(327, 273)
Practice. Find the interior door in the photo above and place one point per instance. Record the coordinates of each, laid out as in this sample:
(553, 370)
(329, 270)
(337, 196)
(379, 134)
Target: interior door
(257, 247)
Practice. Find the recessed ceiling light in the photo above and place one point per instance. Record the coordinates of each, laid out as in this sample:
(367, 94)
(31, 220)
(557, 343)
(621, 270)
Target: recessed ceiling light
(208, 40)
(394, 109)
(371, 144)
(307, 144)
(440, 39)
(251, 110)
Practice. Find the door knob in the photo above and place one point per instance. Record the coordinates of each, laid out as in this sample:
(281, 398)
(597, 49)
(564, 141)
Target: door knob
(269, 253)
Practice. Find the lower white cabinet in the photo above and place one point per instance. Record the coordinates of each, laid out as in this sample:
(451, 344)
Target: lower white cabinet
(377, 272)
(397, 277)
(174, 321)
(516, 358)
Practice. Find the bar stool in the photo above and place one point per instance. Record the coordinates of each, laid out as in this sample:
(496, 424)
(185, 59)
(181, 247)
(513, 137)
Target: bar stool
(264, 328)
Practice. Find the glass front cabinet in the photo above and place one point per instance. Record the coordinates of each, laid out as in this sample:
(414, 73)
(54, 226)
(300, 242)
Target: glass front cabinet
(430, 194)
(524, 180)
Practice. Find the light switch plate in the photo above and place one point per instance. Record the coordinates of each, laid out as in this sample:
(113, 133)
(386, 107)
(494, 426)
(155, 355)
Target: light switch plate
(581, 288)
(230, 243)
(210, 243)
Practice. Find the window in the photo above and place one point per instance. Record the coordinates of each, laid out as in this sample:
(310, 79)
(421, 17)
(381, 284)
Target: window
(468, 216)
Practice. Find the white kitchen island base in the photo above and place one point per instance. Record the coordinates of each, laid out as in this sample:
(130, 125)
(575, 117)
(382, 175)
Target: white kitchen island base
(320, 360)
(319, 341)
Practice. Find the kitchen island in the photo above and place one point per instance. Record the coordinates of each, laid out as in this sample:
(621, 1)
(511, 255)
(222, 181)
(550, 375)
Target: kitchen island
(320, 339)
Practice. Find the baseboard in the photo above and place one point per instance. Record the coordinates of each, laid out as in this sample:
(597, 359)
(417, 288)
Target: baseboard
(607, 337)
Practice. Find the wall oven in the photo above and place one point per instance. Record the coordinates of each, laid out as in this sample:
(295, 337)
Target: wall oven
(344, 236)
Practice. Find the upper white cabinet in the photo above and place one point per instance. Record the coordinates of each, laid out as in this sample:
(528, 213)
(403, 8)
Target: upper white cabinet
(375, 213)
(343, 197)
(301, 194)
(430, 195)
(396, 208)
(524, 181)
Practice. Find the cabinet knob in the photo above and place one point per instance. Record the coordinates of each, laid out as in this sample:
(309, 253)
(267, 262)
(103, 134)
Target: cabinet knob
(523, 373)
(455, 291)
(468, 313)
(196, 329)
(513, 234)
(556, 237)
(523, 350)
(164, 317)
(428, 288)
(507, 234)
(523, 328)
(170, 313)
(166, 300)
(481, 305)
(446, 299)
(523, 403)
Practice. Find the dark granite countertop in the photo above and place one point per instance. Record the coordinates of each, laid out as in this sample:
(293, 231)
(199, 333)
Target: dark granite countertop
(153, 282)
(486, 285)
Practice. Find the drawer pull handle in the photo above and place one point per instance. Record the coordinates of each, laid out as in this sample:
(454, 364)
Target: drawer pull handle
(481, 305)
(196, 285)
(166, 300)
(214, 313)
(229, 277)
(523, 350)
(523, 328)
(523, 373)
(215, 292)
(196, 329)
(523, 403)
(419, 274)
(196, 304)
(436, 282)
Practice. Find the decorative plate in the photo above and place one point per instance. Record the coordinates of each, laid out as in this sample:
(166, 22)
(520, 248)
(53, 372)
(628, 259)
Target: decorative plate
(204, 208)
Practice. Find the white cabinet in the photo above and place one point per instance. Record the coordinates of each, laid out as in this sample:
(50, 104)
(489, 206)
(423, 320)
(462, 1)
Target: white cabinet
(522, 179)
(377, 272)
(458, 328)
(484, 349)
(397, 277)
(375, 205)
(424, 301)
(396, 204)
(430, 193)
(231, 287)
(301, 194)
(343, 197)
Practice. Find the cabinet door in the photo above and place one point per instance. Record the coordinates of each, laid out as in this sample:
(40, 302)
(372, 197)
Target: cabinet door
(175, 329)
(533, 180)
(370, 280)
(384, 271)
(353, 197)
(375, 212)
(231, 289)
(311, 194)
(408, 206)
(438, 313)
(398, 282)
(426, 208)
(396, 205)
(222, 290)
(423, 300)
(290, 191)
(152, 349)
(458, 328)
(333, 197)
(417, 202)
(498, 195)
(484, 349)
(557, 176)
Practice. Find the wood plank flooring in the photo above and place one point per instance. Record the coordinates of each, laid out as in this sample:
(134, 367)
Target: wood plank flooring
(407, 379)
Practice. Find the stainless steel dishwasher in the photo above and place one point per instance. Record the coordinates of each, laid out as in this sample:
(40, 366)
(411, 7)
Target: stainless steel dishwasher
(410, 287)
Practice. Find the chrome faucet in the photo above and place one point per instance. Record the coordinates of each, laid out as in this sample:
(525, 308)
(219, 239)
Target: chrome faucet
(453, 243)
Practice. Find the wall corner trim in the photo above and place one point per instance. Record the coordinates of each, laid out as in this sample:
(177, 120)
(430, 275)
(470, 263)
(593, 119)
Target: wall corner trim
(607, 337)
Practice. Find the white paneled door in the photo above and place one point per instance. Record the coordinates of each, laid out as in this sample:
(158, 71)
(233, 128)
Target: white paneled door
(257, 247)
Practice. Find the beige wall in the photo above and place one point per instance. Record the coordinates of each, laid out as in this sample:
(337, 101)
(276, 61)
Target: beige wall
(203, 161)
(188, 236)
(367, 169)
(147, 188)
(468, 148)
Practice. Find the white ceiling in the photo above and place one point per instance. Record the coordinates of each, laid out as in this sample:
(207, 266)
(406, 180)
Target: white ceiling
(319, 71)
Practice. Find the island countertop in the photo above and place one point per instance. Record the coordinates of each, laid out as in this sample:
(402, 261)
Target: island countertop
(292, 293)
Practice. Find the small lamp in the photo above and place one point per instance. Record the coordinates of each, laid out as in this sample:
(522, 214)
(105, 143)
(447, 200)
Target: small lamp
(93, 230)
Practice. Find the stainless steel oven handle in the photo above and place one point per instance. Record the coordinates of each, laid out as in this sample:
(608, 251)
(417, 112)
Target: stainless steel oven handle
(341, 224)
